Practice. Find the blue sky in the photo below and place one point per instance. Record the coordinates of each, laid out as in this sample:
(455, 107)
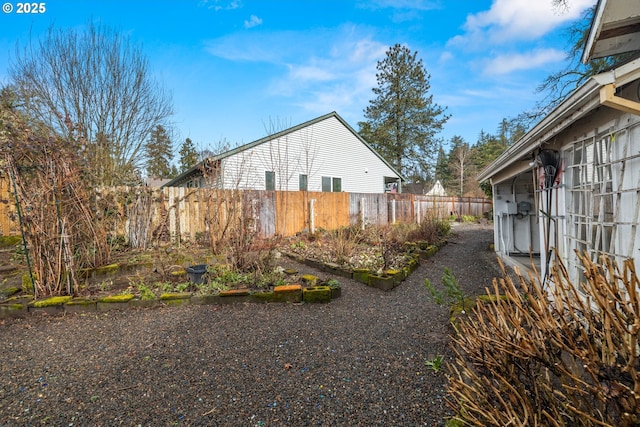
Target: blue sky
(238, 69)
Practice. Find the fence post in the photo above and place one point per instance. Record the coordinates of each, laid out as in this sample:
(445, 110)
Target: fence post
(362, 217)
(312, 214)
(393, 211)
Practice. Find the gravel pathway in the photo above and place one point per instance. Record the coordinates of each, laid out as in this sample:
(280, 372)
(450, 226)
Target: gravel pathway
(356, 361)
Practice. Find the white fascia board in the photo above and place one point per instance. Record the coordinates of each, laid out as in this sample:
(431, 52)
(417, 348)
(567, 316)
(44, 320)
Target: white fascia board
(594, 31)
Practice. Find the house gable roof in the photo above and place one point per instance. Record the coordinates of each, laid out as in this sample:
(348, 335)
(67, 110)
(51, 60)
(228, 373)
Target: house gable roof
(195, 169)
(615, 29)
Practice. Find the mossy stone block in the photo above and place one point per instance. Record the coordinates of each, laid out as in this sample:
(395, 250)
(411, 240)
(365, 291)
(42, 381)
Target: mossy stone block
(386, 283)
(175, 298)
(175, 295)
(361, 275)
(396, 275)
(234, 295)
(9, 310)
(176, 302)
(262, 297)
(144, 303)
(114, 302)
(51, 302)
(205, 299)
(79, 305)
(117, 298)
(316, 294)
(7, 292)
(336, 290)
(107, 269)
(287, 293)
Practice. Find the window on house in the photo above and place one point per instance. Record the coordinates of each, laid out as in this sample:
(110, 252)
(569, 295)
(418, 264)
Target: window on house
(337, 185)
(326, 183)
(270, 180)
(330, 184)
(303, 182)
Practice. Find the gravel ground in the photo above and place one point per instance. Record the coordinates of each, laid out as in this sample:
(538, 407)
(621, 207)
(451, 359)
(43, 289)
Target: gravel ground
(356, 361)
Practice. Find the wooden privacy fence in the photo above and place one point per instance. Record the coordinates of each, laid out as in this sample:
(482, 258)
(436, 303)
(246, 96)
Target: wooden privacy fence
(186, 213)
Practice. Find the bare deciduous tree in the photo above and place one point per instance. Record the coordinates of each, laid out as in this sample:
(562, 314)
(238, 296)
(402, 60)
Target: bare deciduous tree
(460, 160)
(99, 81)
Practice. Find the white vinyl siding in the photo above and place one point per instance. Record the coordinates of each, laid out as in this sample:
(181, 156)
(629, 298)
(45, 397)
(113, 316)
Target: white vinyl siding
(324, 148)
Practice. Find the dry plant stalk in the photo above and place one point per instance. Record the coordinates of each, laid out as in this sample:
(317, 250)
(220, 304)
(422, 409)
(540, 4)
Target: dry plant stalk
(563, 357)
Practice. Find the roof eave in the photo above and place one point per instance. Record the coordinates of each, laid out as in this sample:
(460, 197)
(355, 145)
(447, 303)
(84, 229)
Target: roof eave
(580, 103)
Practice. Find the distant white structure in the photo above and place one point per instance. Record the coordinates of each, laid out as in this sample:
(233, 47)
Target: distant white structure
(437, 190)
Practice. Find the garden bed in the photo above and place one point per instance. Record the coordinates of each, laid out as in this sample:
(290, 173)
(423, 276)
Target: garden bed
(379, 257)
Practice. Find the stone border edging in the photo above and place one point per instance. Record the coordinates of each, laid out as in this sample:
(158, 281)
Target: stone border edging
(294, 293)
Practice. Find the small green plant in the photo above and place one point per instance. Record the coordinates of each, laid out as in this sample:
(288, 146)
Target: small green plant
(436, 295)
(146, 293)
(105, 285)
(298, 245)
(332, 283)
(183, 287)
(451, 294)
(212, 287)
(435, 364)
(452, 287)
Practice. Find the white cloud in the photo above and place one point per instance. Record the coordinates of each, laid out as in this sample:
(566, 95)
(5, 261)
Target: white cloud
(314, 69)
(253, 21)
(310, 73)
(513, 20)
(504, 64)
(445, 56)
(218, 5)
(245, 46)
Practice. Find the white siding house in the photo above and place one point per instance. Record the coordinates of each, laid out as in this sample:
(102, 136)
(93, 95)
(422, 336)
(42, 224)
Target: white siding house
(572, 183)
(323, 154)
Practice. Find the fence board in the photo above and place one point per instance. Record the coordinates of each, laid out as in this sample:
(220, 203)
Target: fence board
(374, 205)
(332, 210)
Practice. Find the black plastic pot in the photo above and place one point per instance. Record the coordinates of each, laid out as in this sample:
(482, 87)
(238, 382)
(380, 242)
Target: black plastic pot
(196, 273)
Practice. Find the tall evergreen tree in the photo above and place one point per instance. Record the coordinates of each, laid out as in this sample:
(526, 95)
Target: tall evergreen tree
(442, 172)
(159, 152)
(403, 120)
(188, 155)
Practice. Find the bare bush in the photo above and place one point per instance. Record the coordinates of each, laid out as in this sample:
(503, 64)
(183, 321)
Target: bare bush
(56, 207)
(430, 229)
(567, 356)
